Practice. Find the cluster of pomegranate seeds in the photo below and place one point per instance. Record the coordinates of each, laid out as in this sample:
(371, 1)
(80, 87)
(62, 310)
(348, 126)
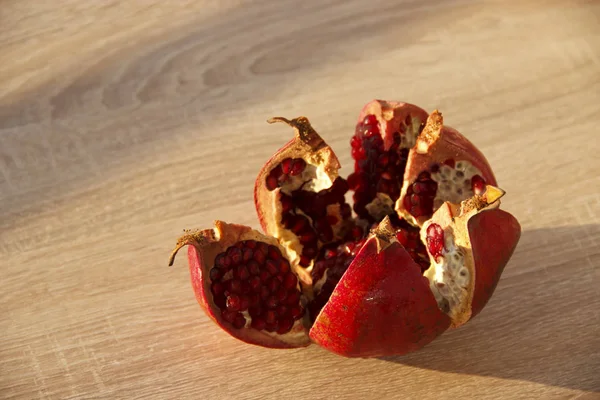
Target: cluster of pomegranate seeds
(435, 240)
(287, 168)
(375, 169)
(255, 277)
(419, 196)
(335, 260)
(408, 236)
(304, 212)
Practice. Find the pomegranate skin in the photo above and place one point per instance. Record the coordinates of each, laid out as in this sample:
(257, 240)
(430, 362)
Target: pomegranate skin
(491, 252)
(382, 306)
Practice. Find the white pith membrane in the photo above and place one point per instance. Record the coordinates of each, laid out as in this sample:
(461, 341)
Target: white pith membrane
(454, 184)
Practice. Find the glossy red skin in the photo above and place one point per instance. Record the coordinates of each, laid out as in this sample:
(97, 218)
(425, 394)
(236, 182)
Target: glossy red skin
(202, 291)
(494, 235)
(382, 306)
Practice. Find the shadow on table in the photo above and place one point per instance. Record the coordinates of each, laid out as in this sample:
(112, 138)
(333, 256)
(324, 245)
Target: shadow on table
(541, 325)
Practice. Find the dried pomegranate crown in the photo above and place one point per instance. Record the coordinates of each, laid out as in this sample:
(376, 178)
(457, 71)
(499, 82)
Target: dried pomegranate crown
(422, 252)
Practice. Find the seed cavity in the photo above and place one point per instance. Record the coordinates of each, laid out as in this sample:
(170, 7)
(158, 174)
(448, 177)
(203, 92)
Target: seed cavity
(254, 287)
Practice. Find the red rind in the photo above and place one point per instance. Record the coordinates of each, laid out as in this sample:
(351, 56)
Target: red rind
(494, 235)
(382, 306)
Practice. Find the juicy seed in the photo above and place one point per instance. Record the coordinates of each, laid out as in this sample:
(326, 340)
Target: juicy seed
(239, 322)
(297, 167)
(478, 184)
(435, 240)
(286, 166)
(233, 303)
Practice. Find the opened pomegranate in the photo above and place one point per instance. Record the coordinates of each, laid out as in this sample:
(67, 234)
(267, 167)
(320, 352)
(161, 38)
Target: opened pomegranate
(424, 252)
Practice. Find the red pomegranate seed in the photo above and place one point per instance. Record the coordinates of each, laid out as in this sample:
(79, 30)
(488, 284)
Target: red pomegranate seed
(244, 303)
(229, 316)
(272, 182)
(215, 273)
(293, 298)
(220, 300)
(290, 281)
(259, 257)
(217, 288)
(258, 324)
(247, 254)
(286, 166)
(271, 327)
(450, 162)
(241, 272)
(239, 322)
(255, 311)
(281, 294)
(370, 120)
(235, 254)
(304, 261)
(478, 184)
(281, 311)
(270, 317)
(272, 267)
(234, 285)
(254, 283)
(274, 253)
(284, 266)
(285, 325)
(355, 142)
(233, 302)
(297, 167)
(251, 244)
(253, 300)
(286, 203)
(296, 312)
(253, 267)
(264, 293)
(273, 284)
(264, 276)
(222, 261)
(308, 236)
(435, 240)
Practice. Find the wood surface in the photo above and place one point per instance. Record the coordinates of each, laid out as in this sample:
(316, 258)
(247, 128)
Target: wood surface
(123, 122)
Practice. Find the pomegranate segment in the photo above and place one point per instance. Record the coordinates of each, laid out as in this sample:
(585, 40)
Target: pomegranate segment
(246, 285)
(383, 137)
(442, 166)
(469, 246)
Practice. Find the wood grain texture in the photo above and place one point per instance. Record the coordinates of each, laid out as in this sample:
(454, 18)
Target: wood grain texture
(122, 123)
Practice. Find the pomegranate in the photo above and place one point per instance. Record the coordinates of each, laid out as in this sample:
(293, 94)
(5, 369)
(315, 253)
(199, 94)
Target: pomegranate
(387, 281)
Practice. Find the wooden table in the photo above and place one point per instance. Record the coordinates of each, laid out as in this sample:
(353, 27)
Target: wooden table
(121, 123)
